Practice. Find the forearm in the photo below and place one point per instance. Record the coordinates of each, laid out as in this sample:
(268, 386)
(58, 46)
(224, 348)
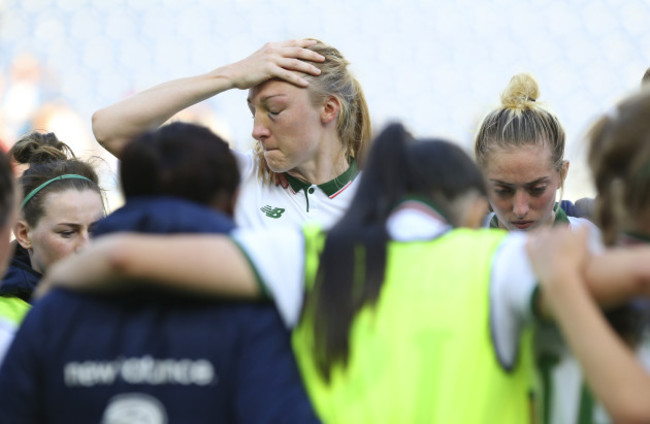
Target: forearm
(618, 275)
(117, 124)
(208, 264)
(562, 264)
(610, 367)
(212, 265)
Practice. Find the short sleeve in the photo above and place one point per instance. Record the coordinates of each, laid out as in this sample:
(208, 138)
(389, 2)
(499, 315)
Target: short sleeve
(277, 256)
(595, 236)
(512, 285)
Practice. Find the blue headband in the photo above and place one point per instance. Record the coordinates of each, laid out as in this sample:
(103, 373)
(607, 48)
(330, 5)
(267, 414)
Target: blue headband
(48, 182)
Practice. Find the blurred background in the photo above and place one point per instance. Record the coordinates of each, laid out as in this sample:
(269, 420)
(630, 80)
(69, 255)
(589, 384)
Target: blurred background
(438, 66)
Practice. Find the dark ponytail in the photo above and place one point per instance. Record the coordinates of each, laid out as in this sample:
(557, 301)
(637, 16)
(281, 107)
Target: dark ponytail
(356, 246)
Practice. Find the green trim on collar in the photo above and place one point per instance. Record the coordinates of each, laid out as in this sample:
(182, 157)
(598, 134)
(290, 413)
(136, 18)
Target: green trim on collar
(296, 184)
(330, 187)
(421, 199)
(494, 222)
(560, 217)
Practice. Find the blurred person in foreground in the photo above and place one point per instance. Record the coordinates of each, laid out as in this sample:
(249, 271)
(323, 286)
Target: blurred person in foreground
(146, 355)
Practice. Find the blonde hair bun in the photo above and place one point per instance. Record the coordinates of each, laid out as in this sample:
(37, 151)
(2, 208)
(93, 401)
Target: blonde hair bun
(521, 92)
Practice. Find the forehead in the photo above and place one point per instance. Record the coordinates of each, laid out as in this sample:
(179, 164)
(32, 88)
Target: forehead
(73, 205)
(273, 88)
(520, 163)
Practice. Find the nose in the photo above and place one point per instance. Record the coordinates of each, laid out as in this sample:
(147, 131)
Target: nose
(82, 240)
(260, 129)
(520, 204)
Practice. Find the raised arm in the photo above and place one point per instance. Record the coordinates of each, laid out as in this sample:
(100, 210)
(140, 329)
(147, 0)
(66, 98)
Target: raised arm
(115, 125)
(570, 282)
(204, 264)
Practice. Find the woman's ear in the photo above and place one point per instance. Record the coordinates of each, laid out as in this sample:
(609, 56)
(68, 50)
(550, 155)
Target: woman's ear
(565, 170)
(330, 110)
(476, 212)
(470, 209)
(23, 234)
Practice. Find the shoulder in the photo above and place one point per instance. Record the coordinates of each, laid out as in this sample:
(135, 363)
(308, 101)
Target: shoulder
(247, 162)
(511, 263)
(56, 300)
(20, 279)
(577, 222)
(595, 236)
(260, 317)
(277, 256)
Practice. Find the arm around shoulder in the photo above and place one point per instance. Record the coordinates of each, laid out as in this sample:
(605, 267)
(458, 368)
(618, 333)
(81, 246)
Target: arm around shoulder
(611, 368)
(572, 283)
(619, 274)
(203, 264)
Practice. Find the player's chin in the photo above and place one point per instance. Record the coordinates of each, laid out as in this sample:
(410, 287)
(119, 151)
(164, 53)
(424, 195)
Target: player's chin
(276, 161)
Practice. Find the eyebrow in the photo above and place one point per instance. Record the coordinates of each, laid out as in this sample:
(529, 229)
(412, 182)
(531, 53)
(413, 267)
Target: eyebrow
(68, 224)
(265, 98)
(74, 224)
(528, 184)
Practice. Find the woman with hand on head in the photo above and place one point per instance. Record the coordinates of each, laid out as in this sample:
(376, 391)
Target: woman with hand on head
(310, 120)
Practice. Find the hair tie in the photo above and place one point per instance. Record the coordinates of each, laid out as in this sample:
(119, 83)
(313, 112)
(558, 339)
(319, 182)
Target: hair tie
(48, 182)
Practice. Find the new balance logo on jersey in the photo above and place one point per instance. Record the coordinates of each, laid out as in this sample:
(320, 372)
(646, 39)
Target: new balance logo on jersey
(272, 212)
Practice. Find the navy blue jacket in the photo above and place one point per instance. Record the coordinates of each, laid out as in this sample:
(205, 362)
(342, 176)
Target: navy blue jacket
(81, 358)
(20, 280)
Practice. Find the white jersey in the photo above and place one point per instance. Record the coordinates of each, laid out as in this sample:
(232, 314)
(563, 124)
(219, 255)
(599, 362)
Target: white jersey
(569, 401)
(280, 268)
(268, 205)
(565, 398)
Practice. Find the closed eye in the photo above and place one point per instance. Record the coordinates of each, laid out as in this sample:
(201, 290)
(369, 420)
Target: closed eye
(503, 191)
(537, 191)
